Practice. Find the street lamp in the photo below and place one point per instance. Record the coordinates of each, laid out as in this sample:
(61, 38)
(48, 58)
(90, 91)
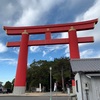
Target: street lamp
(50, 84)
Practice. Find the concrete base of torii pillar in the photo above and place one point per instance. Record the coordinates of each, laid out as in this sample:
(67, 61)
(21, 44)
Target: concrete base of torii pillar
(19, 89)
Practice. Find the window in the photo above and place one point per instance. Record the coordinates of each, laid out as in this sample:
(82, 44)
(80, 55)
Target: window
(77, 85)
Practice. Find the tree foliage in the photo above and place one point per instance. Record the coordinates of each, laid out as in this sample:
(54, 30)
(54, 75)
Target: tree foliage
(39, 72)
(8, 85)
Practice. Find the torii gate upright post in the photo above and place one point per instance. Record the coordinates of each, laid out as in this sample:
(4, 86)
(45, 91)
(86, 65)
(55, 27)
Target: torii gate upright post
(73, 40)
(20, 81)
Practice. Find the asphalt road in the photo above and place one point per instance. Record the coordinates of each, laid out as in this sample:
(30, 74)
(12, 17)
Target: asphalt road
(34, 98)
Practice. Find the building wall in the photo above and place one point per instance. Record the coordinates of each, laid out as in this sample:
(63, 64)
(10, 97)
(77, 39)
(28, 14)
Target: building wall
(96, 87)
(88, 87)
(78, 88)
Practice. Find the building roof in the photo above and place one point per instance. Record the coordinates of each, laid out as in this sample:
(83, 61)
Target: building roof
(85, 65)
(93, 74)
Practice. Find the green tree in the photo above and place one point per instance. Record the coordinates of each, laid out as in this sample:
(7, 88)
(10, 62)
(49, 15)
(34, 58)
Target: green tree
(62, 71)
(39, 72)
(8, 84)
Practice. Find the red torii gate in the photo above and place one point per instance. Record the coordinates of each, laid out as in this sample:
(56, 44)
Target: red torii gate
(71, 28)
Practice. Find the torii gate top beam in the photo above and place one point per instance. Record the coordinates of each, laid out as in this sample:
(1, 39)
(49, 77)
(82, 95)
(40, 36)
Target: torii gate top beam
(85, 25)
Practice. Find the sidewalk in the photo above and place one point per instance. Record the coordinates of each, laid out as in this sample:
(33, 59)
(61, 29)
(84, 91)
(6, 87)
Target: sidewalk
(38, 94)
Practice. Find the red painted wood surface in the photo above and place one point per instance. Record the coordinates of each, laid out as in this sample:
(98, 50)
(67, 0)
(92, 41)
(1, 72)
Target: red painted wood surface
(50, 42)
(85, 25)
(20, 79)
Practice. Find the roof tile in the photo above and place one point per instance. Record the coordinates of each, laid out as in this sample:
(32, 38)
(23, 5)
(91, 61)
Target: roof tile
(85, 65)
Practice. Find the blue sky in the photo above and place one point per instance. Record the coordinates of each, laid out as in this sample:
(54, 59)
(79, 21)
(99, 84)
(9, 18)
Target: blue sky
(43, 12)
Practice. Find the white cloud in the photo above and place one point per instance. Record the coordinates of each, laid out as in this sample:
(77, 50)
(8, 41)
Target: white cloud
(64, 35)
(44, 53)
(3, 48)
(98, 55)
(93, 12)
(34, 48)
(86, 53)
(13, 62)
(61, 35)
(6, 59)
(28, 17)
(9, 61)
(16, 50)
(67, 53)
(90, 53)
(33, 10)
(50, 58)
(53, 48)
(8, 10)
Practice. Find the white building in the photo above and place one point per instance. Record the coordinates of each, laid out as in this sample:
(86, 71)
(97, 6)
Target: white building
(87, 78)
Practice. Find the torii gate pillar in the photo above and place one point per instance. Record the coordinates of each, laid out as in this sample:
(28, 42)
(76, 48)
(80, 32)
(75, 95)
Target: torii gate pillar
(20, 81)
(73, 43)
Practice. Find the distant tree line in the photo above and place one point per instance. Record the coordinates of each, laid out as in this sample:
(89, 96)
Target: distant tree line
(39, 72)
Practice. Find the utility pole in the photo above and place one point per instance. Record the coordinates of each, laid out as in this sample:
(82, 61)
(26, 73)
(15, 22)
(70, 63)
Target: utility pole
(50, 84)
(62, 75)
